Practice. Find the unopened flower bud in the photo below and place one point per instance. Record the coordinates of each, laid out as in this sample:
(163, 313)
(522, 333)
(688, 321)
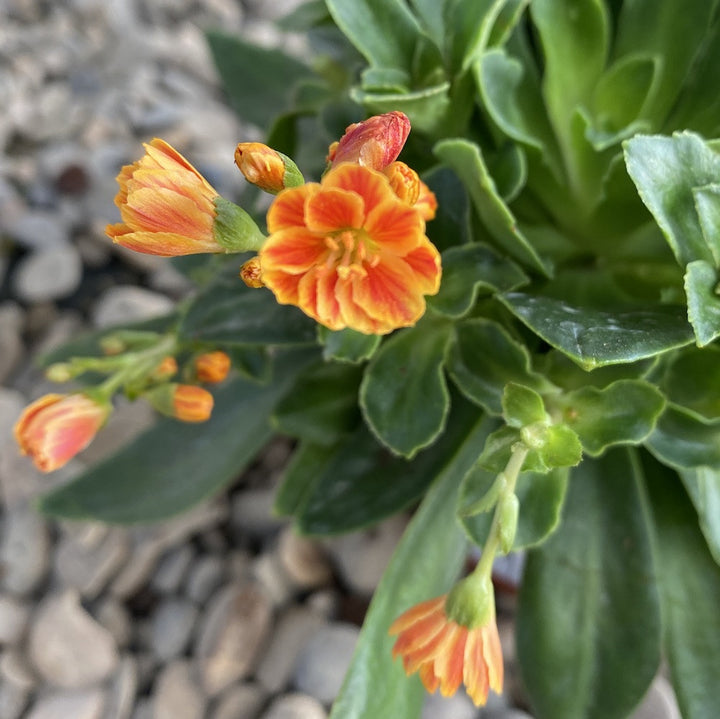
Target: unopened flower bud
(404, 181)
(212, 367)
(59, 372)
(165, 370)
(251, 273)
(426, 202)
(508, 508)
(112, 345)
(266, 168)
(185, 402)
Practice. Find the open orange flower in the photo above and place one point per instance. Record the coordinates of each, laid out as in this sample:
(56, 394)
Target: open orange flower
(350, 253)
(168, 208)
(54, 428)
(446, 654)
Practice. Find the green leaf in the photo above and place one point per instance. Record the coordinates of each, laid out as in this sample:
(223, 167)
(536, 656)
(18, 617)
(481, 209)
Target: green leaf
(359, 483)
(425, 564)
(228, 312)
(499, 447)
(559, 369)
(253, 363)
(307, 464)
(701, 288)
(594, 338)
(384, 31)
(574, 37)
(682, 440)
(624, 412)
(347, 345)
(322, 405)
(665, 170)
(451, 224)
(174, 465)
(707, 204)
(403, 395)
(305, 16)
(689, 583)
(522, 406)
(470, 271)
(256, 97)
(541, 499)
(483, 358)
(703, 487)
(471, 22)
(466, 159)
(589, 629)
(688, 379)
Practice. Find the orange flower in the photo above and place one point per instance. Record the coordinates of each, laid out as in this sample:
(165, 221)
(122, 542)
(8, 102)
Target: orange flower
(168, 208)
(446, 654)
(375, 142)
(212, 367)
(54, 428)
(191, 403)
(350, 253)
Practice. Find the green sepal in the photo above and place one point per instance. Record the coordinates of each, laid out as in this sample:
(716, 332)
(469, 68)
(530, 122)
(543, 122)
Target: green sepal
(234, 230)
(471, 602)
(292, 176)
(522, 406)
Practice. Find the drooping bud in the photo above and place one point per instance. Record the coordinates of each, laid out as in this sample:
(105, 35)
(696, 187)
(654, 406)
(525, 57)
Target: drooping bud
(375, 142)
(471, 602)
(212, 367)
(266, 168)
(251, 273)
(185, 402)
(404, 181)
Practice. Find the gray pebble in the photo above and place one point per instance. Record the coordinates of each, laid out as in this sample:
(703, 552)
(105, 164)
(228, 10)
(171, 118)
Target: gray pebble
(39, 230)
(252, 513)
(239, 702)
(12, 403)
(177, 696)
(85, 704)
(123, 304)
(324, 660)
(458, 706)
(304, 560)
(171, 626)
(122, 690)
(13, 619)
(11, 344)
(114, 617)
(659, 702)
(510, 713)
(172, 569)
(205, 577)
(295, 706)
(16, 684)
(23, 551)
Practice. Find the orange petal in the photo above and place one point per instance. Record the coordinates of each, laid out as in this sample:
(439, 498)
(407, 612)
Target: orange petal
(429, 651)
(331, 210)
(288, 208)
(165, 244)
(294, 250)
(162, 210)
(169, 158)
(492, 652)
(371, 185)
(428, 677)
(395, 226)
(425, 263)
(420, 633)
(283, 285)
(475, 673)
(415, 613)
(353, 315)
(449, 660)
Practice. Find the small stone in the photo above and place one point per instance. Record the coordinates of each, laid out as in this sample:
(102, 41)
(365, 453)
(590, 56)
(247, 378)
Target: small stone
(113, 615)
(239, 702)
(205, 577)
(13, 619)
(504, 713)
(659, 702)
(23, 551)
(295, 706)
(89, 566)
(39, 230)
(16, 683)
(361, 557)
(321, 666)
(12, 403)
(84, 704)
(252, 513)
(11, 344)
(177, 696)
(324, 603)
(67, 646)
(458, 706)
(122, 690)
(172, 569)
(13, 700)
(235, 626)
(304, 560)
(292, 632)
(172, 624)
(274, 579)
(123, 304)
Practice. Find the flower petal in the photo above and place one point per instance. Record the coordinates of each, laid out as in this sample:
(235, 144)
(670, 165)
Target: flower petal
(425, 263)
(158, 209)
(371, 185)
(330, 210)
(396, 227)
(492, 652)
(475, 671)
(288, 208)
(294, 250)
(415, 613)
(449, 660)
(165, 244)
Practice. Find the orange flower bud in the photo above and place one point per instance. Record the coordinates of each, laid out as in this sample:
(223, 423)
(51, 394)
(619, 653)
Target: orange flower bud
(251, 273)
(168, 208)
(192, 403)
(266, 168)
(375, 143)
(212, 367)
(404, 181)
(165, 370)
(54, 428)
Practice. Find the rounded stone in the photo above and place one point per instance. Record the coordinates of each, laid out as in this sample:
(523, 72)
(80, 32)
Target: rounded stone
(659, 702)
(86, 704)
(23, 551)
(295, 706)
(67, 646)
(204, 578)
(177, 696)
(48, 275)
(240, 702)
(13, 619)
(304, 560)
(172, 624)
(321, 665)
(125, 303)
(39, 230)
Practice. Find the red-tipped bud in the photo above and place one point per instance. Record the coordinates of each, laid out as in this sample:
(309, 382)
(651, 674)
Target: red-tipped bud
(212, 367)
(54, 428)
(251, 273)
(375, 143)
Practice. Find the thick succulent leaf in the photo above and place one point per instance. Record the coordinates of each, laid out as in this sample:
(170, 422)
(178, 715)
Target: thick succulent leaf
(701, 288)
(470, 271)
(256, 97)
(359, 483)
(703, 487)
(707, 204)
(665, 171)
(348, 345)
(541, 499)
(689, 582)
(624, 412)
(688, 379)
(307, 463)
(174, 465)
(483, 358)
(403, 395)
(682, 440)
(471, 23)
(451, 224)
(322, 405)
(425, 564)
(594, 338)
(466, 159)
(589, 619)
(559, 369)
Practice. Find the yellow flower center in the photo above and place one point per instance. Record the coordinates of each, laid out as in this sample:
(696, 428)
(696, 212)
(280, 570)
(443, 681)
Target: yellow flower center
(348, 251)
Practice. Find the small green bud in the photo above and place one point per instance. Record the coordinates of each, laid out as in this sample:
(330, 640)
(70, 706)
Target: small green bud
(471, 602)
